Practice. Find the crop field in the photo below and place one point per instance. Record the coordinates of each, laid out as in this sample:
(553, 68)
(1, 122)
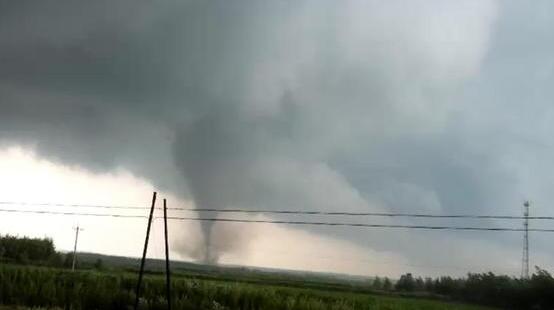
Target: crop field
(49, 288)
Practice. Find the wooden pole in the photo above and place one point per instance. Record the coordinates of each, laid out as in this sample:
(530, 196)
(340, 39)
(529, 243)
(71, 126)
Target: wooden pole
(167, 270)
(144, 251)
(77, 229)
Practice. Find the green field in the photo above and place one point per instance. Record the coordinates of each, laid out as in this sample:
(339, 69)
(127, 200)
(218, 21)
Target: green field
(50, 288)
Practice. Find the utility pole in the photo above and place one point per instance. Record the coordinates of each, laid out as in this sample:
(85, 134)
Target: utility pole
(77, 229)
(167, 270)
(144, 251)
(525, 258)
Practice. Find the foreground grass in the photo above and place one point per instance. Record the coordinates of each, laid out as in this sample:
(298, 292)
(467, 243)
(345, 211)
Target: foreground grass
(50, 288)
(24, 308)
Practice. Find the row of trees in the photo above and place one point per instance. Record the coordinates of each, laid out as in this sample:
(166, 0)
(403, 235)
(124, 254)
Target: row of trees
(537, 292)
(25, 250)
(382, 284)
(37, 251)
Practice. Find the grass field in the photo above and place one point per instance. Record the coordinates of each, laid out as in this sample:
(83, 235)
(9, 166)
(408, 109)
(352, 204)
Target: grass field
(50, 288)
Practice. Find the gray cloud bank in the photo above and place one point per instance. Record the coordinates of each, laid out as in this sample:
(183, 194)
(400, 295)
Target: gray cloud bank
(434, 106)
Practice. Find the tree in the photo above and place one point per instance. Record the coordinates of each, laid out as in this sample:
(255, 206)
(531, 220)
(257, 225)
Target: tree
(24, 250)
(377, 283)
(68, 260)
(406, 283)
(429, 285)
(419, 284)
(98, 264)
(387, 284)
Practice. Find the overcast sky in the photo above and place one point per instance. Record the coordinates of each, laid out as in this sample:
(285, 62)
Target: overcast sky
(403, 106)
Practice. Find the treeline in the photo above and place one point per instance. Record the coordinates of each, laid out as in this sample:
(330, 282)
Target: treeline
(25, 250)
(537, 292)
(38, 251)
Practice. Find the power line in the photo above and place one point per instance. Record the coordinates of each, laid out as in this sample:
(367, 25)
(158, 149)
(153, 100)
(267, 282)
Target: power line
(423, 227)
(296, 212)
(380, 214)
(65, 205)
(358, 224)
(72, 213)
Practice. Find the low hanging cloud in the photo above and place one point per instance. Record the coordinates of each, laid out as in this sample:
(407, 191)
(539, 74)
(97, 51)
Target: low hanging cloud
(311, 105)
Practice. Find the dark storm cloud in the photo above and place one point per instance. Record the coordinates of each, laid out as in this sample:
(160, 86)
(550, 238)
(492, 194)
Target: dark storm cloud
(282, 104)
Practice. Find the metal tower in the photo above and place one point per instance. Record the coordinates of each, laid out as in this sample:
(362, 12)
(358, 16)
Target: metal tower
(525, 258)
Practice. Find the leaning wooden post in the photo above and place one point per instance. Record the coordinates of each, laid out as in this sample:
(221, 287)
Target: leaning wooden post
(167, 270)
(144, 251)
